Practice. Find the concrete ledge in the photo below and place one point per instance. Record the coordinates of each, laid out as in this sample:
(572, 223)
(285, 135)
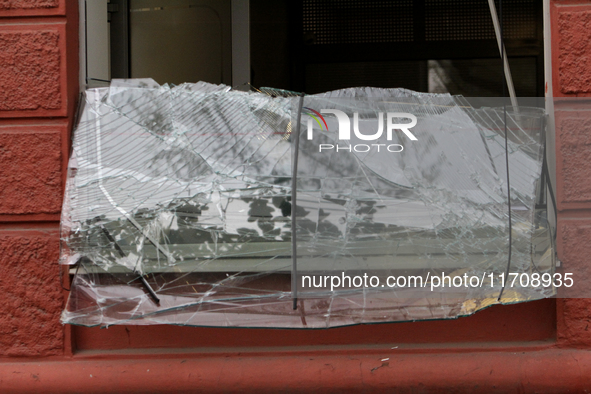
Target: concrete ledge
(549, 371)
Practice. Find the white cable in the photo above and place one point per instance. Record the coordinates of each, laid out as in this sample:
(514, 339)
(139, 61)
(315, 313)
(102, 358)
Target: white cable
(495, 19)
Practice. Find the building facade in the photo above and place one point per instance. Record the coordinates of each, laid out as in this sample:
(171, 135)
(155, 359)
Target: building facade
(541, 346)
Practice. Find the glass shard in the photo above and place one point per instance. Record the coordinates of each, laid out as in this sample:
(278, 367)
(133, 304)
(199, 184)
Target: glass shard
(178, 206)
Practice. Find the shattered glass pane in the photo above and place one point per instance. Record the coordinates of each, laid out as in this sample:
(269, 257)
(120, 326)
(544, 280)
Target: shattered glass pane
(179, 206)
(420, 209)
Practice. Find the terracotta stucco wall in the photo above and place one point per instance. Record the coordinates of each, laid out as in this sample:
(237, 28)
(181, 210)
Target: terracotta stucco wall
(38, 90)
(571, 74)
(524, 348)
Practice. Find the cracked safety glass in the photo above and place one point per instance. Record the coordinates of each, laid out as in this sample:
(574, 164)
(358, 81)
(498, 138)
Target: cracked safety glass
(201, 205)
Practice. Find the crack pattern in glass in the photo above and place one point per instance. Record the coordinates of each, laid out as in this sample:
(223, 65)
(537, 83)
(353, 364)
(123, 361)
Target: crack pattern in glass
(178, 206)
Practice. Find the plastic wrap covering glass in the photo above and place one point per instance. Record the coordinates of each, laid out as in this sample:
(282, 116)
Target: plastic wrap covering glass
(179, 206)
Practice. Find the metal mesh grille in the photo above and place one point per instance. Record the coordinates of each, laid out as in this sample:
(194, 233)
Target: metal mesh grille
(482, 77)
(468, 77)
(331, 76)
(354, 21)
(470, 20)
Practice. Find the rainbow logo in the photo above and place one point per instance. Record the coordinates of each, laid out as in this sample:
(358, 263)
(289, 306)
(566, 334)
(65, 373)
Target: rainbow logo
(311, 112)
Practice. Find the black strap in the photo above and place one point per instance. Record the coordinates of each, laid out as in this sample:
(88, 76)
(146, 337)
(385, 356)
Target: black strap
(506, 154)
(295, 133)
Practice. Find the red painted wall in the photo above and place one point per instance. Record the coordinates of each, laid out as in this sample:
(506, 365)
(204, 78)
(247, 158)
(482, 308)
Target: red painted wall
(543, 346)
(571, 74)
(38, 92)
